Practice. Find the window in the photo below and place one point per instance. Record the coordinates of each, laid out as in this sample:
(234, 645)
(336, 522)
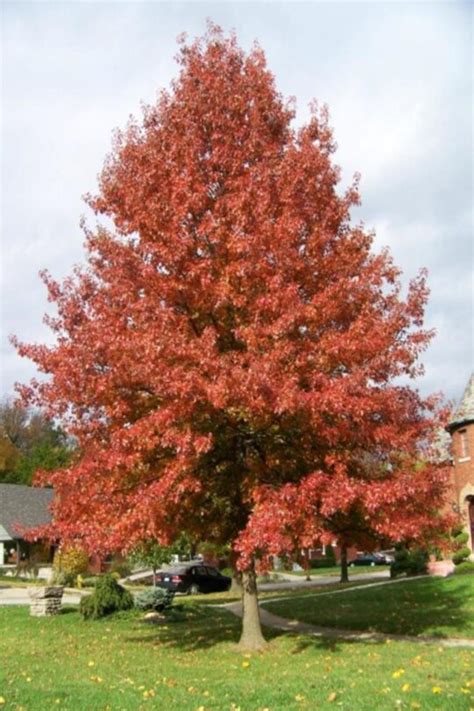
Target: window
(463, 444)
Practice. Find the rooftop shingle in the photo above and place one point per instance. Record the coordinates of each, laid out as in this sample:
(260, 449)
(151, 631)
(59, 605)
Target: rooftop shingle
(24, 506)
(464, 412)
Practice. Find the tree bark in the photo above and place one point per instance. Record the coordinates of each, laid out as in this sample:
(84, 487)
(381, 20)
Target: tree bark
(236, 586)
(344, 568)
(251, 639)
(306, 563)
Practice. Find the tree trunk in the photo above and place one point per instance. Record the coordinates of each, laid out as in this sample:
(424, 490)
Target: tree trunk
(306, 563)
(252, 639)
(236, 586)
(344, 568)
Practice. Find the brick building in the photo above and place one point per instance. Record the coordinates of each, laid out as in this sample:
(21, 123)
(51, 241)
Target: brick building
(461, 429)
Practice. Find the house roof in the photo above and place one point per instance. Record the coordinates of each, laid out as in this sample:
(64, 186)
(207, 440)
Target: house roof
(464, 412)
(24, 506)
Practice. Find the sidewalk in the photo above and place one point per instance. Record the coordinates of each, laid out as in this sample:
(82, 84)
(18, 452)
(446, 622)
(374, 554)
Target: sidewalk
(268, 619)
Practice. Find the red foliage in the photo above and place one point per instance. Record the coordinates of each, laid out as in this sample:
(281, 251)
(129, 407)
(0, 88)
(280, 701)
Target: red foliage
(226, 359)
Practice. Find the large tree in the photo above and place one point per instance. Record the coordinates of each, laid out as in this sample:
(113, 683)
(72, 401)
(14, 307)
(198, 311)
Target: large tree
(232, 337)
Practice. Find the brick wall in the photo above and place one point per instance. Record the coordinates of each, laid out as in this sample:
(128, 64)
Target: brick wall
(462, 449)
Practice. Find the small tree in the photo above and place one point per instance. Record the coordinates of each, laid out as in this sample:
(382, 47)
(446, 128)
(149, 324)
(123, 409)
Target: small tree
(151, 554)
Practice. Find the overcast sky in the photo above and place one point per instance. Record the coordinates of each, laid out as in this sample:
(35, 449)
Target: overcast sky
(396, 77)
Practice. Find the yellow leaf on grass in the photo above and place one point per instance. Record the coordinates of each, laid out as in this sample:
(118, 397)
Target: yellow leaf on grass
(2, 700)
(299, 697)
(406, 687)
(397, 674)
(436, 690)
(332, 696)
(245, 664)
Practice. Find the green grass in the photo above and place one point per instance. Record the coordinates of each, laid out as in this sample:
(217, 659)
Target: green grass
(15, 581)
(121, 663)
(297, 592)
(335, 571)
(442, 607)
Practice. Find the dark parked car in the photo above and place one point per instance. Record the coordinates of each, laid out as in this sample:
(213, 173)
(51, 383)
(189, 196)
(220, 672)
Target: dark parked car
(193, 578)
(371, 559)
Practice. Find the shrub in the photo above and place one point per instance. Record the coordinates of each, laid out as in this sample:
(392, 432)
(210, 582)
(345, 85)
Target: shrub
(68, 564)
(409, 562)
(61, 578)
(326, 561)
(121, 567)
(460, 551)
(461, 555)
(108, 597)
(465, 568)
(330, 555)
(90, 582)
(154, 599)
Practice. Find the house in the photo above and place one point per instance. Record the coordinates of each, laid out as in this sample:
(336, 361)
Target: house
(461, 429)
(23, 507)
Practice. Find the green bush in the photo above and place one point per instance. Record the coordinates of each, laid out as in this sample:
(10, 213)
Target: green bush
(68, 563)
(461, 555)
(62, 578)
(409, 562)
(154, 599)
(460, 551)
(108, 597)
(461, 538)
(122, 568)
(327, 561)
(465, 568)
(90, 582)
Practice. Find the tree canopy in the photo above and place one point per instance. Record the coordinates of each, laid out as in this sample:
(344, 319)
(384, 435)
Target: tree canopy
(229, 358)
(29, 442)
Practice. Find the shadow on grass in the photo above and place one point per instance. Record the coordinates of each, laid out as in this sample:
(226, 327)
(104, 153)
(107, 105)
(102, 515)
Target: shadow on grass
(208, 627)
(426, 607)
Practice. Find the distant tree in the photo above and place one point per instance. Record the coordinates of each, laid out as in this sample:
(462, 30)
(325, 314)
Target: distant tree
(29, 442)
(153, 555)
(233, 349)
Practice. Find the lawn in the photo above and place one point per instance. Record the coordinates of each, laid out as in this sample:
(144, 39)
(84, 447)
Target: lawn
(441, 607)
(219, 598)
(122, 663)
(335, 571)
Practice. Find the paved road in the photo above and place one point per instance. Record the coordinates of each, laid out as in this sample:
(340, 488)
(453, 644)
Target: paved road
(19, 596)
